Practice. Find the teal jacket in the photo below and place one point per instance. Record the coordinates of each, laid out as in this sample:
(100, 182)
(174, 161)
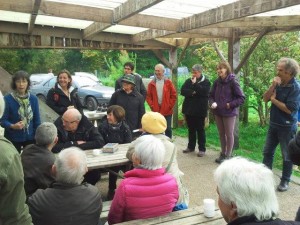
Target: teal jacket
(13, 210)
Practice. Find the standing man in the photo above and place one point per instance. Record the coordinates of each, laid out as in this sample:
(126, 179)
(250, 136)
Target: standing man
(132, 102)
(195, 104)
(139, 85)
(284, 94)
(161, 96)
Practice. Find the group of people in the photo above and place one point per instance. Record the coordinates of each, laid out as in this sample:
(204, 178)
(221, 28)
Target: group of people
(52, 186)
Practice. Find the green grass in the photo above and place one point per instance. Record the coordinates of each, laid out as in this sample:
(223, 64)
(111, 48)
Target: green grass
(251, 142)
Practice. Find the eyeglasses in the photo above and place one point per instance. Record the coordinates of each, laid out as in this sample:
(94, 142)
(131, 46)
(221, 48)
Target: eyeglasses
(127, 68)
(68, 122)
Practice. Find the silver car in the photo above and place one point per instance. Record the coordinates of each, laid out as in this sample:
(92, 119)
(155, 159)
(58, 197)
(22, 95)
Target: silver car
(92, 95)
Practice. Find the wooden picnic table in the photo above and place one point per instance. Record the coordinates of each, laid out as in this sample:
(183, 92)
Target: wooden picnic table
(107, 160)
(189, 216)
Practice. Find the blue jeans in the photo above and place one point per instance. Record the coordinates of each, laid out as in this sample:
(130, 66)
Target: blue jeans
(169, 126)
(282, 136)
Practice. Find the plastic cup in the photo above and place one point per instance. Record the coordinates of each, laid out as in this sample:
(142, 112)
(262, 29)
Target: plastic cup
(209, 207)
(96, 152)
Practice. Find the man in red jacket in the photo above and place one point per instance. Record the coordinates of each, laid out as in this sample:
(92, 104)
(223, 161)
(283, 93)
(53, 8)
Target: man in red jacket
(161, 96)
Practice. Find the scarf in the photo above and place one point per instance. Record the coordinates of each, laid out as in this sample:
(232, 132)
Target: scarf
(25, 110)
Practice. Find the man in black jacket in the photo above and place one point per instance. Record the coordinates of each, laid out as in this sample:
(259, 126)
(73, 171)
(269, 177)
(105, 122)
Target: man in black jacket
(74, 129)
(37, 159)
(68, 201)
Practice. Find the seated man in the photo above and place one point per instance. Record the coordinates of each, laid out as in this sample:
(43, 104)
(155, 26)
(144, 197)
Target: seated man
(154, 123)
(147, 191)
(74, 129)
(13, 209)
(37, 159)
(68, 201)
(246, 193)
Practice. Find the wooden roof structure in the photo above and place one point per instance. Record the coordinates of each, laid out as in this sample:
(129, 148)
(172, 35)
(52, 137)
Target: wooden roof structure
(237, 19)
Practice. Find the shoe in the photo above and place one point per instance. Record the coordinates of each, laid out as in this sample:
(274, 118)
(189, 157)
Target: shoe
(187, 150)
(201, 154)
(283, 186)
(221, 158)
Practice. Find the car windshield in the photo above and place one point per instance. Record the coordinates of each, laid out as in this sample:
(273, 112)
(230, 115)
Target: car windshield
(84, 82)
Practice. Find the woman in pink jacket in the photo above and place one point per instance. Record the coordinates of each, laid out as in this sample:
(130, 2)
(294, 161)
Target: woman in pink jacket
(147, 191)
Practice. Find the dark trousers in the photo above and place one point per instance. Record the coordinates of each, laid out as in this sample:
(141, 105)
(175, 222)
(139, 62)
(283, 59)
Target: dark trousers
(112, 178)
(92, 176)
(20, 145)
(196, 131)
(169, 126)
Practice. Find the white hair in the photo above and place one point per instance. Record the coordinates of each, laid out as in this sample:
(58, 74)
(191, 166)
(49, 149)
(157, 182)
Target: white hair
(2, 104)
(160, 66)
(249, 185)
(45, 134)
(70, 166)
(150, 151)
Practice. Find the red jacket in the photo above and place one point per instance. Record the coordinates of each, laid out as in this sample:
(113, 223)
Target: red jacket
(168, 99)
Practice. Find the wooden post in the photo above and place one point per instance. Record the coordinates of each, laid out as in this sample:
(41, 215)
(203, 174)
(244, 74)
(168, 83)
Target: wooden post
(173, 68)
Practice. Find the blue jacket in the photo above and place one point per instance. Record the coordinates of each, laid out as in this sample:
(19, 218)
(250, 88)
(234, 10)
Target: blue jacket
(11, 116)
(290, 96)
(226, 91)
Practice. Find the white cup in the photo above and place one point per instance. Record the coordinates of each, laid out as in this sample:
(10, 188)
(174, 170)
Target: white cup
(96, 152)
(209, 207)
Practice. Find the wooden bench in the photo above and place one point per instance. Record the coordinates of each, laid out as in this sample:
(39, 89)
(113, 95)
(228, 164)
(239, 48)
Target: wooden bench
(184, 217)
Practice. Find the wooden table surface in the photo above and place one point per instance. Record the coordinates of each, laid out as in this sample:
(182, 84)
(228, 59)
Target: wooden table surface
(190, 216)
(106, 160)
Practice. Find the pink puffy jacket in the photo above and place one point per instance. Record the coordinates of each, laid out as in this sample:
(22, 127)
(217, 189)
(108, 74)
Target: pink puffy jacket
(143, 194)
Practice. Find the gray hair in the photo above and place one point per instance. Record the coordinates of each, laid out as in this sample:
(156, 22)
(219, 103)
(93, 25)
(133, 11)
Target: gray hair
(150, 151)
(2, 104)
(71, 165)
(291, 65)
(197, 67)
(249, 185)
(45, 134)
(160, 66)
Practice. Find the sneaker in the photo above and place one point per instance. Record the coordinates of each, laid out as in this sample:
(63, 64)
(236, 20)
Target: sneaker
(283, 186)
(221, 158)
(187, 150)
(201, 154)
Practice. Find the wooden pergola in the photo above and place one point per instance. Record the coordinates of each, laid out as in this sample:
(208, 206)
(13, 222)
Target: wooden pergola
(229, 22)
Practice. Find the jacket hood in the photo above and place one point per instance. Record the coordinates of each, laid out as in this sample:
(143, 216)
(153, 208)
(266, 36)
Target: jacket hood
(229, 78)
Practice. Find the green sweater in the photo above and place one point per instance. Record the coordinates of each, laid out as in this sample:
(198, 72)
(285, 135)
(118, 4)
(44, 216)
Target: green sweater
(13, 209)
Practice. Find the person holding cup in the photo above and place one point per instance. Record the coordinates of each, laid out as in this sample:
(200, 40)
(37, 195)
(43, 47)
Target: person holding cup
(246, 193)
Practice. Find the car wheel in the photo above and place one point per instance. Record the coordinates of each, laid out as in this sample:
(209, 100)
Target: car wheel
(42, 98)
(91, 103)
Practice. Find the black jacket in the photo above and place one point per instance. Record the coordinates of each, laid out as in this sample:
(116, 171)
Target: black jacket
(139, 85)
(59, 102)
(85, 132)
(294, 149)
(196, 97)
(66, 204)
(37, 163)
(133, 105)
(250, 220)
(119, 133)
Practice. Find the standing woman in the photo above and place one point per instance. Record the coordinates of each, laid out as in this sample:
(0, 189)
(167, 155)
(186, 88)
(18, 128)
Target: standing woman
(63, 95)
(224, 99)
(21, 116)
(114, 129)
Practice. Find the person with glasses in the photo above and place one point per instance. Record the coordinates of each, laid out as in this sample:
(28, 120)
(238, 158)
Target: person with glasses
(74, 129)
(139, 85)
(21, 116)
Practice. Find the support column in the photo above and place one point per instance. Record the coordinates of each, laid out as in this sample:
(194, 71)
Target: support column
(173, 68)
(234, 60)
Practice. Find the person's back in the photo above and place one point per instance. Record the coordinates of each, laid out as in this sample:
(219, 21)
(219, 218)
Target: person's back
(67, 201)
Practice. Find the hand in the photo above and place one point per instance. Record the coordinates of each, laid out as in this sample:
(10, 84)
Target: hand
(193, 79)
(214, 105)
(227, 105)
(273, 96)
(81, 142)
(18, 126)
(277, 80)
(70, 107)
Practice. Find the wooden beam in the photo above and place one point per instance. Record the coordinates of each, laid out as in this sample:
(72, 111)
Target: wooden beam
(188, 42)
(35, 10)
(213, 32)
(159, 54)
(149, 34)
(218, 50)
(236, 10)
(132, 7)
(16, 5)
(250, 50)
(93, 29)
